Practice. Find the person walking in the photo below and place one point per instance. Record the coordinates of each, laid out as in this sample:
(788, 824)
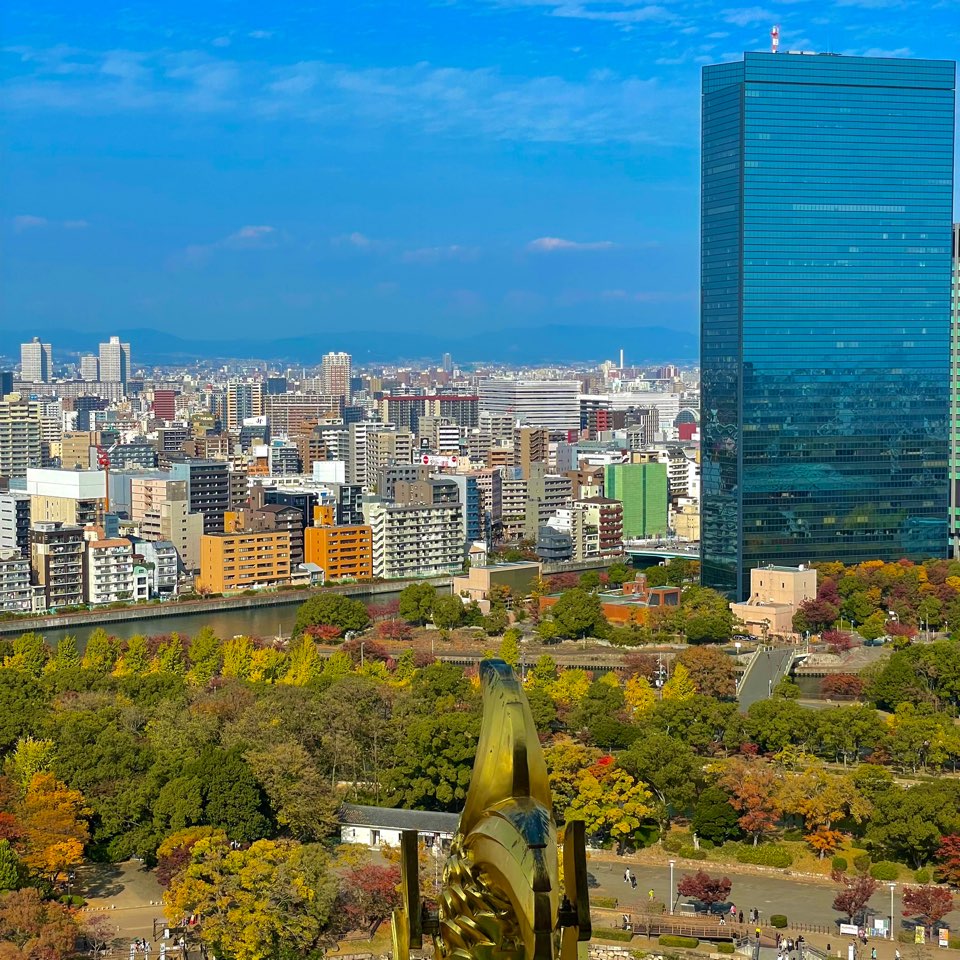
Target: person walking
(740, 919)
(650, 894)
(626, 876)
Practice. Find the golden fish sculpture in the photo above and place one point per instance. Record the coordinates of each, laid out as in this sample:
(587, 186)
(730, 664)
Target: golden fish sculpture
(501, 897)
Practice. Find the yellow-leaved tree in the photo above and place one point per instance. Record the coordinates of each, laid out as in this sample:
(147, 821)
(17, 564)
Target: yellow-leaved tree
(272, 899)
(639, 696)
(609, 801)
(53, 823)
(680, 686)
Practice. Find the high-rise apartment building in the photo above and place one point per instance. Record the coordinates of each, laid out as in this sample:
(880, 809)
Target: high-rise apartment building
(335, 372)
(90, 368)
(210, 488)
(56, 559)
(827, 188)
(244, 400)
(114, 361)
(36, 361)
(15, 521)
(16, 595)
(21, 445)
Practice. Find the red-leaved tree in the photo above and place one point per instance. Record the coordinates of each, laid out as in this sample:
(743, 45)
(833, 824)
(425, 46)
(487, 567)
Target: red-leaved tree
(854, 895)
(701, 886)
(324, 632)
(394, 630)
(948, 860)
(839, 640)
(842, 685)
(368, 894)
(930, 903)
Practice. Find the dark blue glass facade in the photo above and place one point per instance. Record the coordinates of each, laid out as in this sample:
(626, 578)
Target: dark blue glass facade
(827, 189)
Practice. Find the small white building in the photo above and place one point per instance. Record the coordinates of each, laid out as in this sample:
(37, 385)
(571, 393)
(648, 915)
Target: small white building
(377, 826)
(16, 594)
(109, 571)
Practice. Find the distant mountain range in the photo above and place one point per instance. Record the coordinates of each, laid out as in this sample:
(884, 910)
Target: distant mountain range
(520, 345)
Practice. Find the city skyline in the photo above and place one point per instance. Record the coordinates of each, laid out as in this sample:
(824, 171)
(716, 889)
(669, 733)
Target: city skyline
(472, 167)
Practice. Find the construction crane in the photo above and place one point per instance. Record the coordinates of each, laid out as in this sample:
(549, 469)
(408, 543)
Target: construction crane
(103, 463)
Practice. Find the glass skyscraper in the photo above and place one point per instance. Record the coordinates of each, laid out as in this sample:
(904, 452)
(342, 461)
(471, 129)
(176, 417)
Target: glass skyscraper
(827, 189)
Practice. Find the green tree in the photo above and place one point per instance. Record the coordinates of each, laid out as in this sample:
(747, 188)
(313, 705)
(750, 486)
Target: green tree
(233, 800)
(13, 873)
(669, 768)
(179, 805)
(510, 648)
(135, 659)
(775, 724)
(578, 613)
(66, 657)
(30, 654)
(600, 715)
(714, 818)
(29, 758)
(619, 573)
(100, 654)
(711, 671)
(907, 825)
(206, 657)
(589, 580)
(416, 602)
(447, 612)
(331, 609)
(22, 705)
(496, 621)
(432, 761)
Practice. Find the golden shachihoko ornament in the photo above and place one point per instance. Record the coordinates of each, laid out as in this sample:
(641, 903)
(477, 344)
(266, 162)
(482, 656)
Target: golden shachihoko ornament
(501, 897)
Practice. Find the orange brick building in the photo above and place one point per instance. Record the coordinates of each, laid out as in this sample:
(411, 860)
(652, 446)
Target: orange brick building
(630, 605)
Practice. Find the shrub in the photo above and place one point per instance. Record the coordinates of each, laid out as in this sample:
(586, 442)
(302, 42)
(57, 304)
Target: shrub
(839, 864)
(669, 940)
(861, 862)
(692, 853)
(906, 936)
(923, 875)
(954, 943)
(673, 842)
(724, 947)
(778, 920)
(793, 834)
(609, 903)
(612, 933)
(768, 855)
(706, 844)
(885, 870)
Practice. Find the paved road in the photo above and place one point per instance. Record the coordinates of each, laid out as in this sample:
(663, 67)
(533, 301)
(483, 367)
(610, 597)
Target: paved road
(800, 901)
(764, 673)
(123, 892)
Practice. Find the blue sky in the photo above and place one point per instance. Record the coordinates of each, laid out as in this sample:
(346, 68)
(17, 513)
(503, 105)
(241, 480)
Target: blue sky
(222, 169)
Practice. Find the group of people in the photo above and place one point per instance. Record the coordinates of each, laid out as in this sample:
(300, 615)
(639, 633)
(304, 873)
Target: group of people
(787, 945)
(630, 879)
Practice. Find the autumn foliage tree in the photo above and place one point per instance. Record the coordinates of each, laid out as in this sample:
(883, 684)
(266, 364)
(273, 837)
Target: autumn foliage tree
(53, 824)
(754, 794)
(701, 886)
(842, 686)
(32, 928)
(368, 894)
(928, 902)
(854, 895)
(948, 860)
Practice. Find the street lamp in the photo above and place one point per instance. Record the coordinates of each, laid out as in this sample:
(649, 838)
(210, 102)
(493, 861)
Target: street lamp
(361, 654)
(672, 862)
(892, 886)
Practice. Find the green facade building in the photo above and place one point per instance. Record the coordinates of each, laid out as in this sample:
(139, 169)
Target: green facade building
(642, 489)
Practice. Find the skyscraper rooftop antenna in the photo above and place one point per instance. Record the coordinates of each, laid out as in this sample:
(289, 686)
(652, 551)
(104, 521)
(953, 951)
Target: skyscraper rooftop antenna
(774, 38)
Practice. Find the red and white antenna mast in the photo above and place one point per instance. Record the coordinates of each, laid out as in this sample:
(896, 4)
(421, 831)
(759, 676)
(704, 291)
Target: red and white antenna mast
(774, 39)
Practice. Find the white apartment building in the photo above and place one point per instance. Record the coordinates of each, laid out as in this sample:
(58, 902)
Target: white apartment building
(554, 404)
(16, 594)
(114, 361)
(162, 563)
(109, 571)
(415, 540)
(36, 361)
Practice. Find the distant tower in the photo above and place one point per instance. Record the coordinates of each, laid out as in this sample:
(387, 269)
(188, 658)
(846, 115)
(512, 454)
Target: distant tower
(621, 358)
(114, 361)
(774, 39)
(36, 361)
(335, 372)
(447, 363)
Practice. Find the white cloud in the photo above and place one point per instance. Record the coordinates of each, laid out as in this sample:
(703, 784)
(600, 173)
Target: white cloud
(357, 240)
(475, 103)
(75, 224)
(553, 244)
(747, 16)
(26, 221)
(260, 34)
(439, 254)
(259, 237)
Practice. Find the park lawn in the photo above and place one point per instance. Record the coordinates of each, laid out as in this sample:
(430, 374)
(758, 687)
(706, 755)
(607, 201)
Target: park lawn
(381, 943)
